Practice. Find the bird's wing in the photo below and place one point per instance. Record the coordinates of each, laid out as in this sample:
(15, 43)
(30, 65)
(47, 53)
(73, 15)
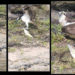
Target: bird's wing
(72, 50)
(69, 30)
(27, 33)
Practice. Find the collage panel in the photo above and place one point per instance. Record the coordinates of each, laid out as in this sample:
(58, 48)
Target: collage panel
(28, 37)
(62, 37)
(2, 37)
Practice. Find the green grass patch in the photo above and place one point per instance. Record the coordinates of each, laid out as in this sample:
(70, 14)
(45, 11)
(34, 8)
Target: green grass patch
(3, 9)
(46, 22)
(11, 50)
(56, 33)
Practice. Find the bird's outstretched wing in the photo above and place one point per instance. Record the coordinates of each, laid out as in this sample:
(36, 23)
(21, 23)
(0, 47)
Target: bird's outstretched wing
(72, 50)
(69, 30)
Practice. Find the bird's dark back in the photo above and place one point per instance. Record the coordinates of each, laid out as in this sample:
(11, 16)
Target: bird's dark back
(69, 31)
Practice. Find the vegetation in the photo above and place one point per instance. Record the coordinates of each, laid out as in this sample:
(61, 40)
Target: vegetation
(17, 38)
(61, 58)
(62, 62)
(56, 33)
(2, 18)
(2, 37)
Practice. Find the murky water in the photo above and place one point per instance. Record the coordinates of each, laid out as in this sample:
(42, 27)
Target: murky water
(2, 61)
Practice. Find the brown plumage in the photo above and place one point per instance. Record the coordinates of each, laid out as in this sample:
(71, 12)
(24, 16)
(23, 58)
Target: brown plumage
(69, 31)
(70, 20)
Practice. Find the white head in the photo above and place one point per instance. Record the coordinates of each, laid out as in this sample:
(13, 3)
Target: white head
(62, 13)
(62, 18)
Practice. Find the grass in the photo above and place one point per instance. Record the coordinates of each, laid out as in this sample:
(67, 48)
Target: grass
(2, 31)
(3, 9)
(12, 24)
(2, 18)
(16, 32)
(47, 22)
(61, 57)
(56, 33)
(11, 50)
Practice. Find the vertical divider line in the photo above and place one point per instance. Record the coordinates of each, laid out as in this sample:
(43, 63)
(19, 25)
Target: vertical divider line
(6, 37)
(50, 37)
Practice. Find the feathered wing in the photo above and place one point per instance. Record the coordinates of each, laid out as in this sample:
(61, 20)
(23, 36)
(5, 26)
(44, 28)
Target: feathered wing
(72, 50)
(27, 33)
(69, 30)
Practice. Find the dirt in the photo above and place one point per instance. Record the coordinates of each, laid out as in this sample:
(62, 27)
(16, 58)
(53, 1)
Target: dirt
(2, 52)
(61, 59)
(29, 59)
(28, 54)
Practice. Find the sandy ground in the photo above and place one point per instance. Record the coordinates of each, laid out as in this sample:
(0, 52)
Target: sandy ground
(2, 52)
(29, 59)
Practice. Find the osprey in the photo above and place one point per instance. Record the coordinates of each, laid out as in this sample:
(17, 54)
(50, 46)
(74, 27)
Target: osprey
(25, 18)
(65, 21)
(68, 28)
